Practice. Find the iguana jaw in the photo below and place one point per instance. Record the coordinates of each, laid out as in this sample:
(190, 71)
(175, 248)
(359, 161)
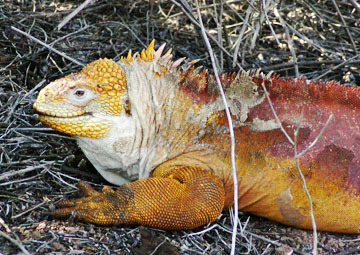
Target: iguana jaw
(46, 112)
(71, 119)
(85, 125)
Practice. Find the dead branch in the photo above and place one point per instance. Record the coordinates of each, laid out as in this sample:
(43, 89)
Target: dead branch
(231, 131)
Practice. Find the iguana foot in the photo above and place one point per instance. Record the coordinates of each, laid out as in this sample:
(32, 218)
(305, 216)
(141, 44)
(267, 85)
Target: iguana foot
(104, 208)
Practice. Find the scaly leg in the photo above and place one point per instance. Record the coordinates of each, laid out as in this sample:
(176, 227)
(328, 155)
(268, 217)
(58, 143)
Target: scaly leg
(186, 198)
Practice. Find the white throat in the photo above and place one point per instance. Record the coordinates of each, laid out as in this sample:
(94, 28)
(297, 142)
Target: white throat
(115, 156)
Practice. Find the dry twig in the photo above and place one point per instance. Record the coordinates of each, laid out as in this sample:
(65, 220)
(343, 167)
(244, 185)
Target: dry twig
(345, 26)
(231, 132)
(289, 42)
(16, 241)
(47, 46)
(74, 13)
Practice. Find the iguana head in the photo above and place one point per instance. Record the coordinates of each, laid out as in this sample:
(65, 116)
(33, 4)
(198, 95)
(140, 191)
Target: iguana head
(79, 103)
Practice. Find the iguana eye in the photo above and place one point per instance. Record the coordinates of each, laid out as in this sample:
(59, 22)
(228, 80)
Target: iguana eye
(80, 95)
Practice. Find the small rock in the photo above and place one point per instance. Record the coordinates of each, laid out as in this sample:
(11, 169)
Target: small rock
(284, 250)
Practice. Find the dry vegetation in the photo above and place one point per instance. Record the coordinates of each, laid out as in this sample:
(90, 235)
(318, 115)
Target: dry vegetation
(38, 167)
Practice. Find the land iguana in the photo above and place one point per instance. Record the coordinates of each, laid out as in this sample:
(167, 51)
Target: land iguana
(158, 128)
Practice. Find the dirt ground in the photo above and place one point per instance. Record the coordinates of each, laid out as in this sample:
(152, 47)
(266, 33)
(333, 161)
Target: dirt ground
(317, 39)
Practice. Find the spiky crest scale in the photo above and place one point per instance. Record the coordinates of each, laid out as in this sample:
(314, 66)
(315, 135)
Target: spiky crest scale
(147, 54)
(128, 58)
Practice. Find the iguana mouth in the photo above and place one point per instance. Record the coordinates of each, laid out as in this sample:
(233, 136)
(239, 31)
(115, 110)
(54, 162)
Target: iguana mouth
(55, 113)
(64, 115)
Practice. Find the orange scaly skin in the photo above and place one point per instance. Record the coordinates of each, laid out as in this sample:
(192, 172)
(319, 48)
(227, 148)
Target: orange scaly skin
(159, 130)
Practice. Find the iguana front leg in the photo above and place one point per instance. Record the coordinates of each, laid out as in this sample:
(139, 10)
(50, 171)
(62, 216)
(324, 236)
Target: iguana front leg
(186, 198)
